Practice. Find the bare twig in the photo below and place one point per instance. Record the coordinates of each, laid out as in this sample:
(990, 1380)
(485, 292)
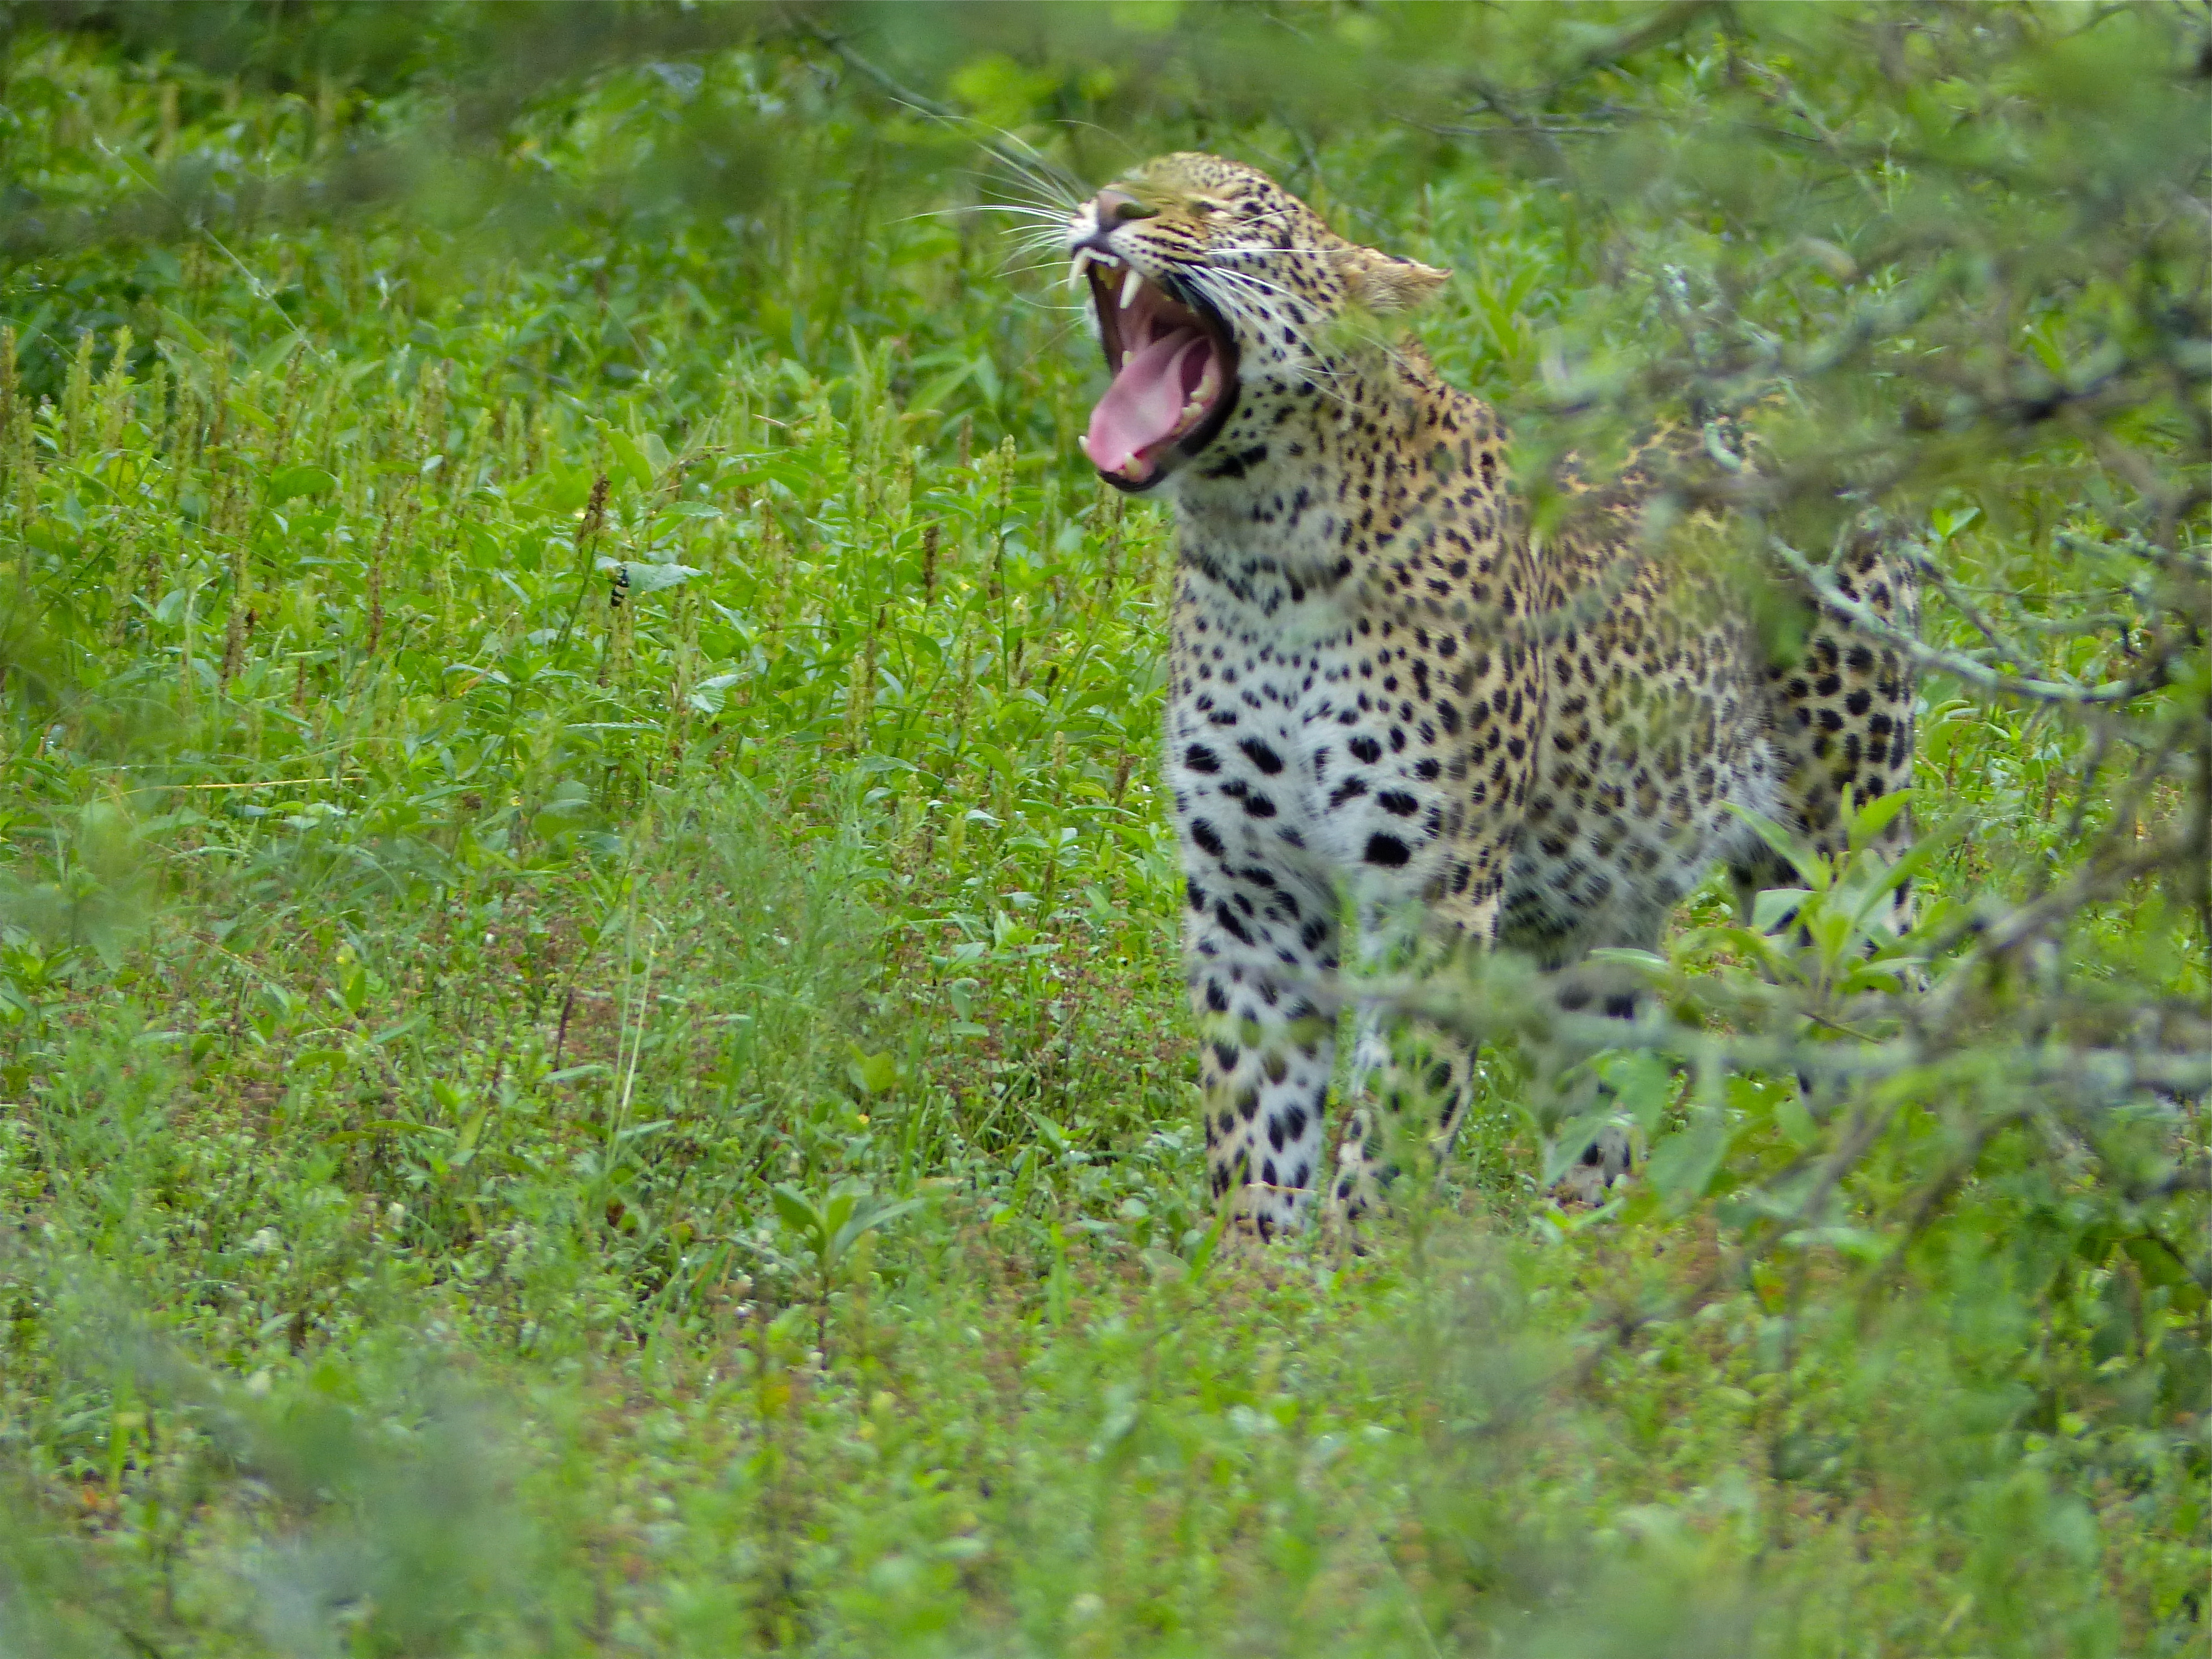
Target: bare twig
(1977, 674)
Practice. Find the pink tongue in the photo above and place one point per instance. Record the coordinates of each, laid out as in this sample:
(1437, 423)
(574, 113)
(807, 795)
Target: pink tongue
(1145, 401)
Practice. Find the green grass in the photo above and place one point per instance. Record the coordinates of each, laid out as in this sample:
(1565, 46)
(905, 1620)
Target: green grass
(472, 936)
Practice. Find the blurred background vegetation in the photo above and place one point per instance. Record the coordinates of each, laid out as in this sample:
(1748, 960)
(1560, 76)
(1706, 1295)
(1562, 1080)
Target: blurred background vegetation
(592, 1043)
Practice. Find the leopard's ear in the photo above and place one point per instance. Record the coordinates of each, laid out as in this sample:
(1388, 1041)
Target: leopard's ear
(1380, 283)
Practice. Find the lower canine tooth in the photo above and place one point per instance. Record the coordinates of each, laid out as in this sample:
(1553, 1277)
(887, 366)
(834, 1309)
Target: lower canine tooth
(1130, 284)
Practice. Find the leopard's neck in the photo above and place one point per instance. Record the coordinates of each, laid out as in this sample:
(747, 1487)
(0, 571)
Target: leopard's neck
(1317, 487)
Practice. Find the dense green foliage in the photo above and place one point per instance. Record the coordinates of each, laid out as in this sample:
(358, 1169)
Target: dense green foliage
(593, 1052)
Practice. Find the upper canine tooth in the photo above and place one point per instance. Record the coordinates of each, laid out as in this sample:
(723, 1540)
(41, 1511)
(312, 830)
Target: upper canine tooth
(1130, 284)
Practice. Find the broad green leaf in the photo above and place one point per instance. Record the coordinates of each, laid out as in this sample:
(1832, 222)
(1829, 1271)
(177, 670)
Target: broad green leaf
(640, 579)
(709, 695)
(1792, 1118)
(633, 458)
(875, 1073)
(1776, 906)
(1785, 845)
(798, 1212)
(295, 480)
(1682, 1166)
(870, 1216)
(1877, 816)
(1644, 1084)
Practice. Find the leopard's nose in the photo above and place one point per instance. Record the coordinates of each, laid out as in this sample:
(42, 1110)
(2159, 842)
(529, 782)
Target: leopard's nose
(1118, 207)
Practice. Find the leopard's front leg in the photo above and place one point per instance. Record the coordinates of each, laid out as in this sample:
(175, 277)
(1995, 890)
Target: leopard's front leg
(1411, 1080)
(1254, 953)
(1257, 945)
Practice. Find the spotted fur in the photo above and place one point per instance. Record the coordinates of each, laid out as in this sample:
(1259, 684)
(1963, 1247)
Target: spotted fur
(1389, 698)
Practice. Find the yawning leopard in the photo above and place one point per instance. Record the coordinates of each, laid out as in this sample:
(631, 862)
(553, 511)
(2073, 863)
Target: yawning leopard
(1388, 697)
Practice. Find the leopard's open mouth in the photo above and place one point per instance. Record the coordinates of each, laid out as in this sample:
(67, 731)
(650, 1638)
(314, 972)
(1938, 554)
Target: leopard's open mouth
(1174, 365)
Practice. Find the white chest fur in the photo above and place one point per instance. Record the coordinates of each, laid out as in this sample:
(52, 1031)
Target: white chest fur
(1285, 744)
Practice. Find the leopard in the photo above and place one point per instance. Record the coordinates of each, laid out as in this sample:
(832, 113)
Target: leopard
(1400, 707)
